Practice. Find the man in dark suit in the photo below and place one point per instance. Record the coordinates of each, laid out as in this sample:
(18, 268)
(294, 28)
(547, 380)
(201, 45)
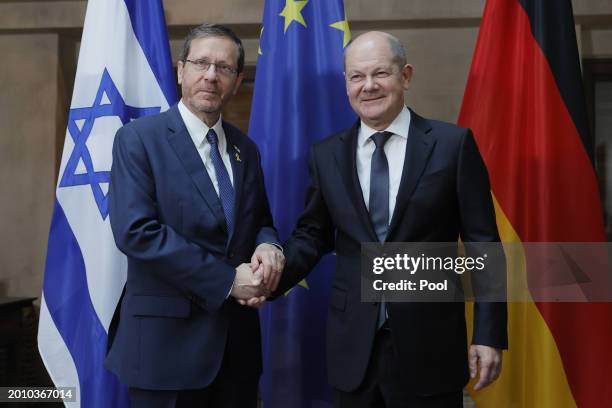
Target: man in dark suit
(189, 208)
(395, 177)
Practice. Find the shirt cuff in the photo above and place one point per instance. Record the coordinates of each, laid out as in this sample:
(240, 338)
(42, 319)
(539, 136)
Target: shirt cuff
(279, 246)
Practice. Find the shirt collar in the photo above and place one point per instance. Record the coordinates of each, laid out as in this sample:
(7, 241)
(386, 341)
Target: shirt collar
(198, 129)
(400, 127)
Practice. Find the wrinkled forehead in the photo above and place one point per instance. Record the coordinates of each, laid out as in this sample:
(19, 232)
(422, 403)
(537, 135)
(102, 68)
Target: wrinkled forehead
(367, 56)
(214, 48)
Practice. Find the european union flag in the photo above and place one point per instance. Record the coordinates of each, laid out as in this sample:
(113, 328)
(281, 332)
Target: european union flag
(299, 98)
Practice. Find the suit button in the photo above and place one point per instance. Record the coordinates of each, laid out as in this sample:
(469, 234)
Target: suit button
(231, 255)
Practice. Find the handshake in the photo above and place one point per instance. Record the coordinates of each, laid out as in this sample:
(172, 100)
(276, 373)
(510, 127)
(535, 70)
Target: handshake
(256, 281)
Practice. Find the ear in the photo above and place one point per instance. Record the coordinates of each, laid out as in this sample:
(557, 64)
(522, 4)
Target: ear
(407, 75)
(179, 71)
(239, 79)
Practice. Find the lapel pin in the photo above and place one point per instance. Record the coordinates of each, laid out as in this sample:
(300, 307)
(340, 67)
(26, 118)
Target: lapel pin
(237, 153)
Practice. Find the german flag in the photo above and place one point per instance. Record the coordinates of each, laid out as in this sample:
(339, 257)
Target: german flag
(524, 101)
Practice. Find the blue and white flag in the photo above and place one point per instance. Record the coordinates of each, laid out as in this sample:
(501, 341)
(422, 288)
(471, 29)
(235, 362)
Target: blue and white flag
(124, 71)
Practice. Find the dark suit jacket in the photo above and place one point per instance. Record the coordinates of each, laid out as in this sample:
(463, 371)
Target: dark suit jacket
(175, 317)
(444, 193)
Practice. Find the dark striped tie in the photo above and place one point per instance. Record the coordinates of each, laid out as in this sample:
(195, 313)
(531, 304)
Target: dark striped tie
(226, 190)
(379, 186)
(379, 199)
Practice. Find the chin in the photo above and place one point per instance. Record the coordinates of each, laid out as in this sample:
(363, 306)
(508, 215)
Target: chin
(373, 115)
(210, 110)
(207, 107)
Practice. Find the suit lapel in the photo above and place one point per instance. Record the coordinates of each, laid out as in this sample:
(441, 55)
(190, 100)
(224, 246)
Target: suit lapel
(346, 160)
(234, 149)
(418, 150)
(192, 162)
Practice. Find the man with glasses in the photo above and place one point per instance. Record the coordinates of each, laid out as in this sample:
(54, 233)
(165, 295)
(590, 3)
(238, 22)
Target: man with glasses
(189, 208)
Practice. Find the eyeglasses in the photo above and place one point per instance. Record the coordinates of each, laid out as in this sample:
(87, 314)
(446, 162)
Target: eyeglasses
(203, 65)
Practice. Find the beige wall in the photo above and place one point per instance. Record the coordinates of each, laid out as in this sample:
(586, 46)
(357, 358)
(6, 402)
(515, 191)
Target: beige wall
(597, 42)
(28, 107)
(39, 42)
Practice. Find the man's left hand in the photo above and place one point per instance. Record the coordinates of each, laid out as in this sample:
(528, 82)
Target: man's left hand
(490, 361)
(272, 260)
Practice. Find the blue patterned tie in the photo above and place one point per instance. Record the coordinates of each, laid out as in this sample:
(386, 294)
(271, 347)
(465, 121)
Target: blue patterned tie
(226, 191)
(379, 199)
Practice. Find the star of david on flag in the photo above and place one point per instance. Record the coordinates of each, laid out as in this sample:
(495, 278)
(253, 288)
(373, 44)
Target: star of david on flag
(124, 72)
(81, 121)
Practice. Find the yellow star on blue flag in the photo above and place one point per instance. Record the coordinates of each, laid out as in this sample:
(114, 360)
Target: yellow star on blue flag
(343, 26)
(293, 12)
(302, 283)
(300, 80)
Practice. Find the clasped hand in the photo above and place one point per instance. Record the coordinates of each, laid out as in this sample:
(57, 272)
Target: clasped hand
(254, 282)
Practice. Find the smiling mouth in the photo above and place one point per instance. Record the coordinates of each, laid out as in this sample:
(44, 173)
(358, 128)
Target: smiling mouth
(372, 99)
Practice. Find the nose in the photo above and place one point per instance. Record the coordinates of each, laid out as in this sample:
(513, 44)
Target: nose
(211, 73)
(370, 83)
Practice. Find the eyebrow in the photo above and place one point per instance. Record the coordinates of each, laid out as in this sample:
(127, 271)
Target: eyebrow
(210, 60)
(377, 68)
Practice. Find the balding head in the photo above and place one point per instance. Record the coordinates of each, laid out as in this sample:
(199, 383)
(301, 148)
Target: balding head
(379, 38)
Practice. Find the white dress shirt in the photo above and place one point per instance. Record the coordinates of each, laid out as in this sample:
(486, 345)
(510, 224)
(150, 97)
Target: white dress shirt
(198, 130)
(395, 149)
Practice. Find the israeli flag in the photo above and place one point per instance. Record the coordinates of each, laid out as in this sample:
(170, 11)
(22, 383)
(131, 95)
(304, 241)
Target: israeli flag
(124, 72)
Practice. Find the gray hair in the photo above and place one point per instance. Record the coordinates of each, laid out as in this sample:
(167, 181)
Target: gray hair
(398, 52)
(213, 30)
